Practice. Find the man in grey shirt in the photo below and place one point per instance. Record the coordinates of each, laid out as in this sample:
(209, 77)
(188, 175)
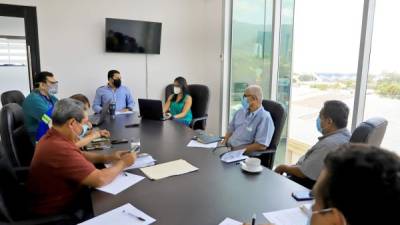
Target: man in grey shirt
(332, 123)
(252, 126)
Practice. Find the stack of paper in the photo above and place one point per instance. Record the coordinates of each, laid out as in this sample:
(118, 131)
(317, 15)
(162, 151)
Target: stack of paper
(142, 161)
(196, 144)
(233, 156)
(168, 169)
(124, 215)
(120, 183)
(294, 216)
(229, 221)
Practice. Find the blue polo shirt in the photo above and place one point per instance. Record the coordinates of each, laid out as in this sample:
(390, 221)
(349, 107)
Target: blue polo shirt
(121, 96)
(34, 106)
(251, 127)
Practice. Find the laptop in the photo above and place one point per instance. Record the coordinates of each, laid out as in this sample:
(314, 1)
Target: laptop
(151, 109)
(98, 119)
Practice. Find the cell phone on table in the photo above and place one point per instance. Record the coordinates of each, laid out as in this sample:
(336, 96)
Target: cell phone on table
(119, 141)
(132, 125)
(302, 195)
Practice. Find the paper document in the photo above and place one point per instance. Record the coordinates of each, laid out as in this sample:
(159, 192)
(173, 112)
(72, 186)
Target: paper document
(124, 215)
(294, 216)
(120, 183)
(229, 221)
(233, 156)
(196, 144)
(141, 161)
(168, 169)
(120, 112)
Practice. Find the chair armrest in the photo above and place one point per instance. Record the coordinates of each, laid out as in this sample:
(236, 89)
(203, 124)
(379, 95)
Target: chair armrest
(195, 120)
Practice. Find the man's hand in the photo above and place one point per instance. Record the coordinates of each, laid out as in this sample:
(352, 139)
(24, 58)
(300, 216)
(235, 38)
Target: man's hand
(125, 110)
(128, 158)
(104, 133)
(281, 169)
(117, 155)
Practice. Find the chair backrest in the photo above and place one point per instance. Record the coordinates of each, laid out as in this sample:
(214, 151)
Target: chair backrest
(12, 97)
(370, 131)
(14, 136)
(13, 197)
(169, 90)
(278, 115)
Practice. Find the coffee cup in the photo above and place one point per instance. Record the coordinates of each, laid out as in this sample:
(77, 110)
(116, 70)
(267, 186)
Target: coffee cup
(252, 164)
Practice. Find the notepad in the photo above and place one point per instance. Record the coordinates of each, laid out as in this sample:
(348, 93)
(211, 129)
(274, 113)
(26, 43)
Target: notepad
(293, 216)
(196, 144)
(123, 215)
(229, 221)
(168, 169)
(120, 183)
(233, 156)
(140, 162)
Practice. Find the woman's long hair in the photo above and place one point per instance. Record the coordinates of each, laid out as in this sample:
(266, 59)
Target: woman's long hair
(184, 87)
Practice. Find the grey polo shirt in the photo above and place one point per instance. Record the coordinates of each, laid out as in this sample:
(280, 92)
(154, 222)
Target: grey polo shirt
(312, 162)
(251, 127)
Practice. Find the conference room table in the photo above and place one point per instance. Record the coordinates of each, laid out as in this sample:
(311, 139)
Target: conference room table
(207, 196)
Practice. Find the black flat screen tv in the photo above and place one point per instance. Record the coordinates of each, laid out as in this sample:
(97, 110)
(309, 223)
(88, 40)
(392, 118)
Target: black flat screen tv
(133, 36)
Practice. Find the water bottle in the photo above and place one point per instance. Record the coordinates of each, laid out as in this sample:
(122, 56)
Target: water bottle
(112, 108)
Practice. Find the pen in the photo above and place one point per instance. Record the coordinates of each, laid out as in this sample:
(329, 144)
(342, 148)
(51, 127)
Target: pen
(253, 220)
(133, 215)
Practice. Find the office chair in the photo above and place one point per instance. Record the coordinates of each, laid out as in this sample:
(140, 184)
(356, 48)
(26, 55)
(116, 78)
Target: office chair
(278, 115)
(200, 100)
(12, 97)
(370, 131)
(14, 136)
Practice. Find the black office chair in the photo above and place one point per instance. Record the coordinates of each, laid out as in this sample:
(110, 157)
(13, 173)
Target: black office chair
(14, 136)
(12, 97)
(278, 115)
(370, 131)
(200, 100)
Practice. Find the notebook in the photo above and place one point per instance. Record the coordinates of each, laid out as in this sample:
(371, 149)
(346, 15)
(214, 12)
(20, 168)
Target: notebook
(168, 169)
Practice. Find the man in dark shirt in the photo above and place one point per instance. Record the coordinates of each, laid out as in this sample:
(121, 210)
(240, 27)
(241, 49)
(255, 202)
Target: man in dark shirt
(59, 170)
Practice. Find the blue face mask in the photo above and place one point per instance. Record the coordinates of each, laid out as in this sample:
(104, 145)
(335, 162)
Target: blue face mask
(85, 129)
(245, 103)
(318, 124)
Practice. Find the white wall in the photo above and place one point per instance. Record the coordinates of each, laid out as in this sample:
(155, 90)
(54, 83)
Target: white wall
(71, 40)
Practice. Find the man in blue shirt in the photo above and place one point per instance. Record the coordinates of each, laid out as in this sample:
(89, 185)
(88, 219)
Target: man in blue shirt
(252, 126)
(113, 92)
(39, 101)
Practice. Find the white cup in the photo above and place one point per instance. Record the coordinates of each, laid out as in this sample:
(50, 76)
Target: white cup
(252, 163)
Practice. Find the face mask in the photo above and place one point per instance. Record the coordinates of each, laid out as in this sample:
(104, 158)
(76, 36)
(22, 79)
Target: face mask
(117, 83)
(318, 124)
(245, 103)
(85, 129)
(53, 89)
(177, 90)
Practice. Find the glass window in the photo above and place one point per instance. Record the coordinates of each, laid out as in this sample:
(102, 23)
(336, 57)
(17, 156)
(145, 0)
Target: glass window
(383, 92)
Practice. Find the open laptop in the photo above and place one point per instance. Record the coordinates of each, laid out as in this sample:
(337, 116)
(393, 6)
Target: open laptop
(98, 119)
(151, 109)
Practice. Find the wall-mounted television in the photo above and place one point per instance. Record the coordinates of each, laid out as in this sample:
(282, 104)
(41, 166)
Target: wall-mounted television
(133, 36)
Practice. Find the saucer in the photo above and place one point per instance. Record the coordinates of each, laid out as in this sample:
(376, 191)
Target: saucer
(256, 170)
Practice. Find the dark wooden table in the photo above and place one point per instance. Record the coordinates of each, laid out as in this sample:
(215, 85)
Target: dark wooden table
(217, 190)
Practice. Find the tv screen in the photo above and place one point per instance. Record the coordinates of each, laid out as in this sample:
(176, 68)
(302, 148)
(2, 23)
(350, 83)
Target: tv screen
(133, 36)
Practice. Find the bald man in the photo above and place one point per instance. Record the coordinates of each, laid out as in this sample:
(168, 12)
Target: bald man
(252, 126)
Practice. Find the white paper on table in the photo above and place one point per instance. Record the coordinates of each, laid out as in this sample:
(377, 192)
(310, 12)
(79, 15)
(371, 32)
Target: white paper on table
(120, 183)
(118, 216)
(229, 221)
(293, 216)
(196, 144)
(120, 112)
(168, 169)
(140, 162)
(233, 156)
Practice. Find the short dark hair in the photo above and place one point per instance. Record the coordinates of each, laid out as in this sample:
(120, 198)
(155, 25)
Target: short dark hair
(183, 85)
(363, 182)
(111, 73)
(82, 98)
(337, 111)
(41, 77)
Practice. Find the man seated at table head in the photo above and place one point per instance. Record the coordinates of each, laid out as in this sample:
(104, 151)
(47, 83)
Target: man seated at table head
(114, 91)
(331, 123)
(59, 169)
(359, 185)
(252, 126)
(39, 101)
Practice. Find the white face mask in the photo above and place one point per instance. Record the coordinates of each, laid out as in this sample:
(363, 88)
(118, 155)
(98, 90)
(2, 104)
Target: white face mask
(177, 90)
